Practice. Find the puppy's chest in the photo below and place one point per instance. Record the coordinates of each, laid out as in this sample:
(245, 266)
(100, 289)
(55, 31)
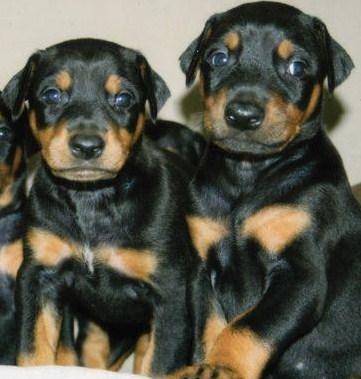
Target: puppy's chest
(95, 240)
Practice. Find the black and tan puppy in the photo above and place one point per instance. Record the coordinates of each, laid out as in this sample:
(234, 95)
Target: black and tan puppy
(12, 199)
(273, 216)
(105, 230)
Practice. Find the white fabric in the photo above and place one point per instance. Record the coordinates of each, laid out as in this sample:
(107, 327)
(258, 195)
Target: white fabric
(60, 372)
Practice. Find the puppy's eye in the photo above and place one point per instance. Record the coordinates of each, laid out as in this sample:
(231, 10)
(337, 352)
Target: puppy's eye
(297, 69)
(52, 96)
(219, 58)
(122, 100)
(5, 134)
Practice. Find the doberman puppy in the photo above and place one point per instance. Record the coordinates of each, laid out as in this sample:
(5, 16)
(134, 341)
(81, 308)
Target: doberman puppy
(273, 217)
(106, 235)
(12, 176)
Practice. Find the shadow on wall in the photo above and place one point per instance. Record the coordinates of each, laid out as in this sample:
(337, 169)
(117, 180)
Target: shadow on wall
(333, 111)
(191, 108)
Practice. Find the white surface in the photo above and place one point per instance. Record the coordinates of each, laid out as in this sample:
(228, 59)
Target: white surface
(57, 372)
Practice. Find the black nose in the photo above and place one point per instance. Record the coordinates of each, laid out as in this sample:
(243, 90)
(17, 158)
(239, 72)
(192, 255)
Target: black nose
(86, 146)
(244, 116)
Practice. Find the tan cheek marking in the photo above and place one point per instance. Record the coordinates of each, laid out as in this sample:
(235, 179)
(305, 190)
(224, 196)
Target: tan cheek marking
(241, 351)
(65, 356)
(11, 257)
(118, 142)
(138, 264)
(113, 84)
(140, 352)
(213, 328)
(205, 233)
(63, 80)
(49, 249)
(214, 110)
(285, 49)
(315, 96)
(275, 227)
(96, 347)
(146, 368)
(54, 142)
(139, 127)
(232, 40)
(56, 147)
(46, 336)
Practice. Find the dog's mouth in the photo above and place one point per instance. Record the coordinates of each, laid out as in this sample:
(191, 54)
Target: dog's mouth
(85, 174)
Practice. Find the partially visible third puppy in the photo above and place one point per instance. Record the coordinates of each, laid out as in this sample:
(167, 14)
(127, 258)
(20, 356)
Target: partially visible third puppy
(106, 235)
(273, 216)
(12, 199)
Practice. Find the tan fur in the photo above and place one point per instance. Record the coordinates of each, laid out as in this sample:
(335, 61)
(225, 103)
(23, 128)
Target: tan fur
(140, 352)
(6, 196)
(146, 368)
(11, 257)
(48, 248)
(65, 356)
(54, 142)
(96, 347)
(232, 40)
(138, 264)
(46, 336)
(214, 106)
(213, 328)
(8, 177)
(205, 233)
(113, 84)
(276, 226)
(283, 120)
(63, 80)
(241, 351)
(285, 49)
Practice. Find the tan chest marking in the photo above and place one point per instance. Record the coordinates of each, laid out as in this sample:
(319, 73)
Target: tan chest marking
(11, 257)
(205, 233)
(138, 264)
(242, 351)
(48, 248)
(276, 226)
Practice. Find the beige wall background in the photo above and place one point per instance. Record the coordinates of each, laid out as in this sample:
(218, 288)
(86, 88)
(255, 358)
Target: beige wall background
(162, 29)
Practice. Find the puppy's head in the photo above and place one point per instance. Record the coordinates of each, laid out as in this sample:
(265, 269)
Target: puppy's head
(262, 67)
(11, 155)
(86, 105)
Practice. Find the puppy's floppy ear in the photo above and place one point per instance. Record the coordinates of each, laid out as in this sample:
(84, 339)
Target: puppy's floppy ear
(156, 90)
(337, 62)
(16, 91)
(190, 59)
